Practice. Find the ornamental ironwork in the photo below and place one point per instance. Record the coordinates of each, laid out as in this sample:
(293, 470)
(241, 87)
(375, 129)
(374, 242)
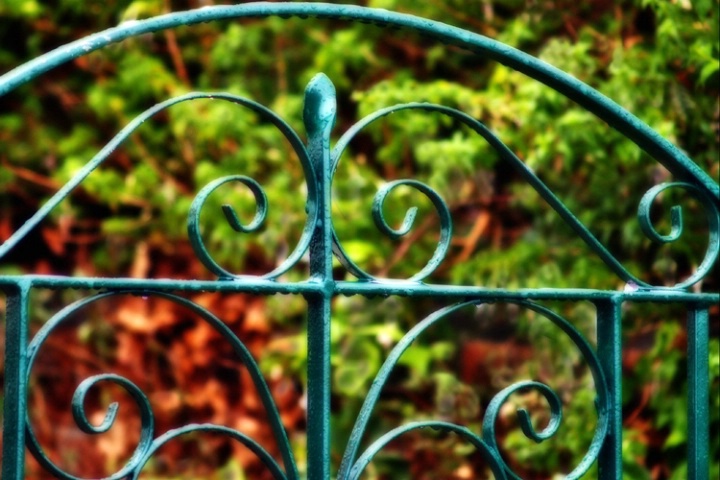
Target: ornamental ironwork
(320, 244)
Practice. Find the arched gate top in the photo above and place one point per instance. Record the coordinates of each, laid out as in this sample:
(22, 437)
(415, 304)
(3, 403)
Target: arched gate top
(616, 116)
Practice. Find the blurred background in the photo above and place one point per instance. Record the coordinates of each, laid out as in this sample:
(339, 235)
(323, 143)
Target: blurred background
(656, 58)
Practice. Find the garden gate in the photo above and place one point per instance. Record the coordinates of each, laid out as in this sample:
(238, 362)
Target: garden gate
(318, 239)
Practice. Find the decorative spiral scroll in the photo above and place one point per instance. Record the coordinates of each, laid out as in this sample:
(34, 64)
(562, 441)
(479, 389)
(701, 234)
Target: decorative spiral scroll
(78, 410)
(263, 112)
(351, 467)
(440, 206)
(379, 200)
(231, 216)
(78, 407)
(146, 446)
(529, 176)
(602, 402)
(523, 416)
(382, 225)
(676, 225)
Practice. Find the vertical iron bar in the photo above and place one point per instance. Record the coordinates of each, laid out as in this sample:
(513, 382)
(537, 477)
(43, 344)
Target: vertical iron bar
(319, 117)
(609, 331)
(698, 393)
(16, 326)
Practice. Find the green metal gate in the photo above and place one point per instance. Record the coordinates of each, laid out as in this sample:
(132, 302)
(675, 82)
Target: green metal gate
(319, 162)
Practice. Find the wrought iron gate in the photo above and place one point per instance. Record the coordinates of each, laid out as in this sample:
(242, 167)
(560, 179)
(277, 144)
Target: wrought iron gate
(319, 162)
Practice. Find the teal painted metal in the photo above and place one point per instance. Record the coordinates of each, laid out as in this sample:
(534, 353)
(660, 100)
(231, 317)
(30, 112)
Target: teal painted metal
(609, 334)
(698, 392)
(318, 240)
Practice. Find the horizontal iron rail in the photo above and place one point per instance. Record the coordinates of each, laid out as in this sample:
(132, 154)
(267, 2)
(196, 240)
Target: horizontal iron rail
(260, 286)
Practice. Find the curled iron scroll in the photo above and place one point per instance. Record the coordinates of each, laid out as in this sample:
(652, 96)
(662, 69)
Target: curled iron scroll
(676, 222)
(441, 207)
(265, 113)
(193, 223)
(382, 225)
(147, 445)
(709, 204)
(352, 465)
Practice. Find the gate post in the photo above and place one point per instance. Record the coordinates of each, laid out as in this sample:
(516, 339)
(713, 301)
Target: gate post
(15, 401)
(319, 117)
(609, 339)
(698, 455)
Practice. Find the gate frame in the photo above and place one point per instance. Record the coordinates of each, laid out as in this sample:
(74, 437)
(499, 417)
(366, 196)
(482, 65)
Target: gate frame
(319, 163)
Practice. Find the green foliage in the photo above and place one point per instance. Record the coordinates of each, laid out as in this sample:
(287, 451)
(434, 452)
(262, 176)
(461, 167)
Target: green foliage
(657, 58)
